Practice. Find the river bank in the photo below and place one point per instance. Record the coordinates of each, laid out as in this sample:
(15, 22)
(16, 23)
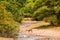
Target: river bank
(40, 34)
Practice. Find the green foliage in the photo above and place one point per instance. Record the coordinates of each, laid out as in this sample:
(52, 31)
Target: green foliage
(53, 20)
(40, 13)
(17, 9)
(14, 7)
(39, 9)
(8, 27)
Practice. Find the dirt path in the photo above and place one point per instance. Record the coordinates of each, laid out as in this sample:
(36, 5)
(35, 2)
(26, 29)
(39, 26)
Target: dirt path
(45, 33)
(41, 32)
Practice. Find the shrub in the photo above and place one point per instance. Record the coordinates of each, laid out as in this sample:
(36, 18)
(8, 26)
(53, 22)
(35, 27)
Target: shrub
(52, 20)
(18, 17)
(40, 13)
(8, 27)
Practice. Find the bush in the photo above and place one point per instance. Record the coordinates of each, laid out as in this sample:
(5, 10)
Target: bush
(38, 16)
(18, 17)
(14, 8)
(8, 27)
(40, 13)
(52, 20)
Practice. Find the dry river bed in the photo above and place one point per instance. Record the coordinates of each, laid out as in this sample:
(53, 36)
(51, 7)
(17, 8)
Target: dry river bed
(37, 34)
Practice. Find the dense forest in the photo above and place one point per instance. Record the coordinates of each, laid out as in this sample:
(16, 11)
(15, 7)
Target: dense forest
(13, 11)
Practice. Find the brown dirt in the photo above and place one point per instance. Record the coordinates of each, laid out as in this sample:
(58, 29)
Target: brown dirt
(40, 32)
(1, 38)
